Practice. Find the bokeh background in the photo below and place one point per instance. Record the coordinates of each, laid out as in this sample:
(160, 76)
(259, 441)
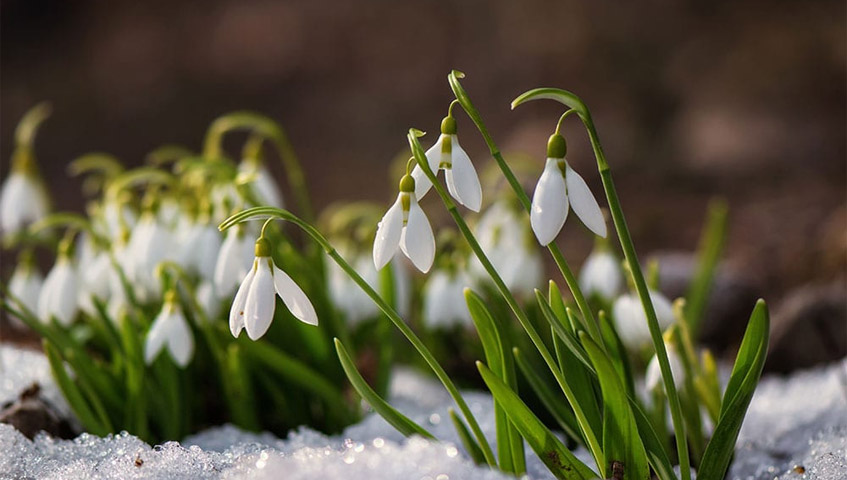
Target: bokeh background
(739, 99)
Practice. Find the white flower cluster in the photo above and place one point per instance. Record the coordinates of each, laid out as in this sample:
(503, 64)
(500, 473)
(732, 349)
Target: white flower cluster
(121, 255)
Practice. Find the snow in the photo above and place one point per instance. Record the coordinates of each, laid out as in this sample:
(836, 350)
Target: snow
(794, 424)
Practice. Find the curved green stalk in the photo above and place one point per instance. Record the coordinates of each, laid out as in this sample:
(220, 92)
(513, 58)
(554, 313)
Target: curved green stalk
(590, 437)
(272, 212)
(572, 101)
(262, 125)
(561, 263)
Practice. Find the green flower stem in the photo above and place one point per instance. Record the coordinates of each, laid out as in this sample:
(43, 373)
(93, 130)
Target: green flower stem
(572, 101)
(262, 125)
(525, 322)
(265, 212)
(589, 322)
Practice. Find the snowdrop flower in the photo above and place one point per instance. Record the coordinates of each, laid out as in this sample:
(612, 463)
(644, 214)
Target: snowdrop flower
(95, 281)
(25, 284)
(23, 200)
(170, 329)
(653, 378)
(208, 299)
(559, 187)
(255, 302)
(444, 302)
(150, 243)
(459, 173)
(405, 225)
(601, 274)
(201, 244)
(264, 186)
(58, 297)
(234, 260)
(507, 242)
(631, 322)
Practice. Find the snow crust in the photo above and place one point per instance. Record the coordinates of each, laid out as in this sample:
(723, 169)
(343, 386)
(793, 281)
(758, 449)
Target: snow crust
(796, 429)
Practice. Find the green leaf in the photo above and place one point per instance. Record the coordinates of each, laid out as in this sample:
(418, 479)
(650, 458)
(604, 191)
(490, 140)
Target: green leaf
(617, 352)
(561, 462)
(549, 397)
(563, 331)
(467, 439)
(708, 255)
(72, 393)
(509, 443)
(399, 421)
(739, 391)
(621, 440)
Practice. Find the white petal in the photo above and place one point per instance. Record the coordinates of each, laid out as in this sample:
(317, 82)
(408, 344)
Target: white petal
(417, 240)
(653, 378)
(25, 285)
(388, 234)
(631, 323)
(157, 336)
(261, 301)
(601, 275)
(22, 201)
(208, 299)
(236, 312)
(433, 158)
(266, 188)
(663, 308)
(180, 339)
(294, 298)
(583, 202)
(549, 203)
(466, 188)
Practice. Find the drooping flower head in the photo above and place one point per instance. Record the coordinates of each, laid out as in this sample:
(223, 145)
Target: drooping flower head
(234, 260)
(255, 302)
(23, 198)
(601, 273)
(405, 225)
(444, 304)
(58, 297)
(170, 329)
(459, 173)
(631, 321)
(26, 282)
(559, 189)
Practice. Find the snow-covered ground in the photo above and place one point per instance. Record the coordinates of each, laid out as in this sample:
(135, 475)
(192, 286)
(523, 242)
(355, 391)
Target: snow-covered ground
(796, 428)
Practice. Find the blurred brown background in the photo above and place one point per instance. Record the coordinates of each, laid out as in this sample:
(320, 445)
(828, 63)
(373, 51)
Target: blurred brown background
(742, 99)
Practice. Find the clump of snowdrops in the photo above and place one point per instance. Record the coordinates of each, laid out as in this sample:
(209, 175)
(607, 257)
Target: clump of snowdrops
(581, 355)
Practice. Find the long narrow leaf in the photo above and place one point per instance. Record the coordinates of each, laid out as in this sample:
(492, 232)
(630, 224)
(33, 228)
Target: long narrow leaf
(739, 392)
(621, 441)
(561, 462)
(71, 392)
(399, 421)
(467, 439)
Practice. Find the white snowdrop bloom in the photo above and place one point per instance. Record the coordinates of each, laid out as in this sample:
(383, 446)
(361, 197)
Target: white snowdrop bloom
(444, 303)
(58, 297)
(233, 261)
(208, 299)
(405, 225)
(25, 285)
(631, 321)
(558, 189)
(350, 299)
(653, 378)
(601, 274)
(224, 197)
(169, 213)
(150, 244)
(95, 281)
(23, 200)
(506, 240)
(255, 302)
(116, 216)
(170, 329)
(200, 249)
(459, 173)
(262, 182)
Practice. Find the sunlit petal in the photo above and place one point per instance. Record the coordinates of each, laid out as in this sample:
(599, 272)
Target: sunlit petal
(417, 240)
(261, 302)
(236, 312)
(180, 340)
(466, 187)
(388, 234)
(549, 203)
(583, 202)
(294, 298)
